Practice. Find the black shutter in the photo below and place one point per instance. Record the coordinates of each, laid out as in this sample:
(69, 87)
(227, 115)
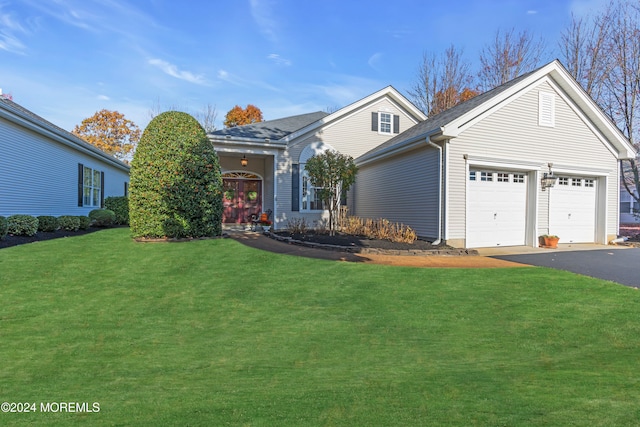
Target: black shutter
(102, 189)
(374, 122)
(126, 189)
(295, 188)
(80, 180)
(396, 124)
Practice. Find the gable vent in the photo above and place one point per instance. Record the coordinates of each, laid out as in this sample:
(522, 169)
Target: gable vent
(546, 109)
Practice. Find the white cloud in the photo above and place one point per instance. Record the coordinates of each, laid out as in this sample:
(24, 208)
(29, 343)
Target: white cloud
(374, 60)
(262, 13)
(532, 12)
(173, 71)
(103, 98)
(9, 28)
(279, 60)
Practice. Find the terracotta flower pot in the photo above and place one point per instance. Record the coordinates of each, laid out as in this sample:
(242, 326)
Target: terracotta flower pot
(550, 242)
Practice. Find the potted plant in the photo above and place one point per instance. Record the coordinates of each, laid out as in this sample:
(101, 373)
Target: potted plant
(549, 241)
(266, 225)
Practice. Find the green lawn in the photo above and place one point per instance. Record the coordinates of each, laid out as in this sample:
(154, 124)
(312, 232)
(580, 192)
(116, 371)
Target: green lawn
(215, 333)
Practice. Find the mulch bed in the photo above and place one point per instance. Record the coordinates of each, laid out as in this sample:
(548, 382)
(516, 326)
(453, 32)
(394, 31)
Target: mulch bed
(359, 241)
(11, 240)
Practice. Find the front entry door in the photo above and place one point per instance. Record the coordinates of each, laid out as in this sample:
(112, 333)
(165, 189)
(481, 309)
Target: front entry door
(241, 199)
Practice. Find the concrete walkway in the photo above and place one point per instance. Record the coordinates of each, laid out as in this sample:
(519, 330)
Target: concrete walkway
(262, 242)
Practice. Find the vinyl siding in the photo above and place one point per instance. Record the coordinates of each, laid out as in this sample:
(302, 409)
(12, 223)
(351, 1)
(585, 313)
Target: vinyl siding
(39, 176)
(513, 133)
(350, 135)
(401, 189)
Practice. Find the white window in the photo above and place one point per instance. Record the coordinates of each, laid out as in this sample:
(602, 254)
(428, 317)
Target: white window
(503, 177)
(518, 178)
(472, 175)
(563, 180)
(385, 122)
(310, 195)
(546, 109)
(589, 183)
(91, 187)
(486, 176)
(576, 182)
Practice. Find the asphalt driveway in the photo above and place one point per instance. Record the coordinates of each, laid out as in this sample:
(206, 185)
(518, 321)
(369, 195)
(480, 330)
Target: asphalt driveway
(621, 265)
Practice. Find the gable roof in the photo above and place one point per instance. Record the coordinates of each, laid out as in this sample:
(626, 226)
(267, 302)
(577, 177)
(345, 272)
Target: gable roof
(19, 115)
(289, 128)
(449, 123)
(271, 129)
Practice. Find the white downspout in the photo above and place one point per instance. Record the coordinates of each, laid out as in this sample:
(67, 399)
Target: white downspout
(429, 142)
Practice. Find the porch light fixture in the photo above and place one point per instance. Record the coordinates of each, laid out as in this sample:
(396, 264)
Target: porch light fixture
(548, 179)
(243, 161)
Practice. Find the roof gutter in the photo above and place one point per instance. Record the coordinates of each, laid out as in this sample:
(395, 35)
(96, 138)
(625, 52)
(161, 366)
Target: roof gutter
(439, 148)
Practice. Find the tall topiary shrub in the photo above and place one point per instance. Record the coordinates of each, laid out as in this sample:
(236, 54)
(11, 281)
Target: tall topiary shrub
(175, 179)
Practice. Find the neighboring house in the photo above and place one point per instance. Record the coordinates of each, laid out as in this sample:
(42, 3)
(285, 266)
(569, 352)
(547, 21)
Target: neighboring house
(472, 175)
(45, 170)
(628, 206)
(275, 153)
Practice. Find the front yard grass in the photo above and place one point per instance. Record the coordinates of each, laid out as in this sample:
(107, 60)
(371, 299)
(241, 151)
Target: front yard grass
(215, 333)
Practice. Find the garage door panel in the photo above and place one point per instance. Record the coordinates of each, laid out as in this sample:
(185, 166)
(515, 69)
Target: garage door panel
(497, 209)
(572, 210)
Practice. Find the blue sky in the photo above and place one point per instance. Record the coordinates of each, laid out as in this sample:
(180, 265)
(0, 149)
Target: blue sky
(67, 59)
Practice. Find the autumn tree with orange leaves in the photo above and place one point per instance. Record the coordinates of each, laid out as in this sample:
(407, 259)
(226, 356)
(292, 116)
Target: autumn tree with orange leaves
(239, 116)
(111, 132)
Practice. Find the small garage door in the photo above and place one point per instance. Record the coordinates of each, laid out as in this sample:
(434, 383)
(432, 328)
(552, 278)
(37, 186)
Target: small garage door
(572, 209)
(497, 213)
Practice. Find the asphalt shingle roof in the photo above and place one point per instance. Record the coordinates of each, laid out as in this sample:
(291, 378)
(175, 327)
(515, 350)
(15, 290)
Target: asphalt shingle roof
(447, 116)
(272, 129)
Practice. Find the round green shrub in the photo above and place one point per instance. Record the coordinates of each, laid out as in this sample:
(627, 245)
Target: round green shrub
(102, 217)
(3, 227)
(47, 223)
(120, 206)
(69, 222)
(85, 222)
(175, 174)
(22, 225)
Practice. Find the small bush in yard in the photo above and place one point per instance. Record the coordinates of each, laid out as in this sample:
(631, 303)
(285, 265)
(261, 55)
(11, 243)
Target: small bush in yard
(47, 223)
(69, 222)
(22, 225)
(3, 227)
(102, 217)
(378, 229)
(85, 222)
(120, 206)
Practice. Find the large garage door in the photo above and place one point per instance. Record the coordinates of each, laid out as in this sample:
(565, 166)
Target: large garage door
(497, 214)
(572, 209)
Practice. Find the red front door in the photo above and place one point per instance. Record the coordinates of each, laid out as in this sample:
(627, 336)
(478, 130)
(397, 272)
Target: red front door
(241, 199)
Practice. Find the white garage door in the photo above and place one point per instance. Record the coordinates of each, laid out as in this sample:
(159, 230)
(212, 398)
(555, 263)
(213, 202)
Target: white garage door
(572, 209)
(497, 214)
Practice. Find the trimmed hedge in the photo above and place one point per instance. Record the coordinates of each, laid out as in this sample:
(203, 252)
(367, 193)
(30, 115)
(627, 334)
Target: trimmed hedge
(175, 175)
(3, 227)
(85, 222)
(22, 225)
(120, 206)
(102, 217)
(69, 222)
(47, 223)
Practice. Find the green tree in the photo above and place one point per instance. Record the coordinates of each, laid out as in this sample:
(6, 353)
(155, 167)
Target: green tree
(332, 174)
(175, 188)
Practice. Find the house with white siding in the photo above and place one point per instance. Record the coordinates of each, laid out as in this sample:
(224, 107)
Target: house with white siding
(263, 163)
(534, 156)
(45, 170)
